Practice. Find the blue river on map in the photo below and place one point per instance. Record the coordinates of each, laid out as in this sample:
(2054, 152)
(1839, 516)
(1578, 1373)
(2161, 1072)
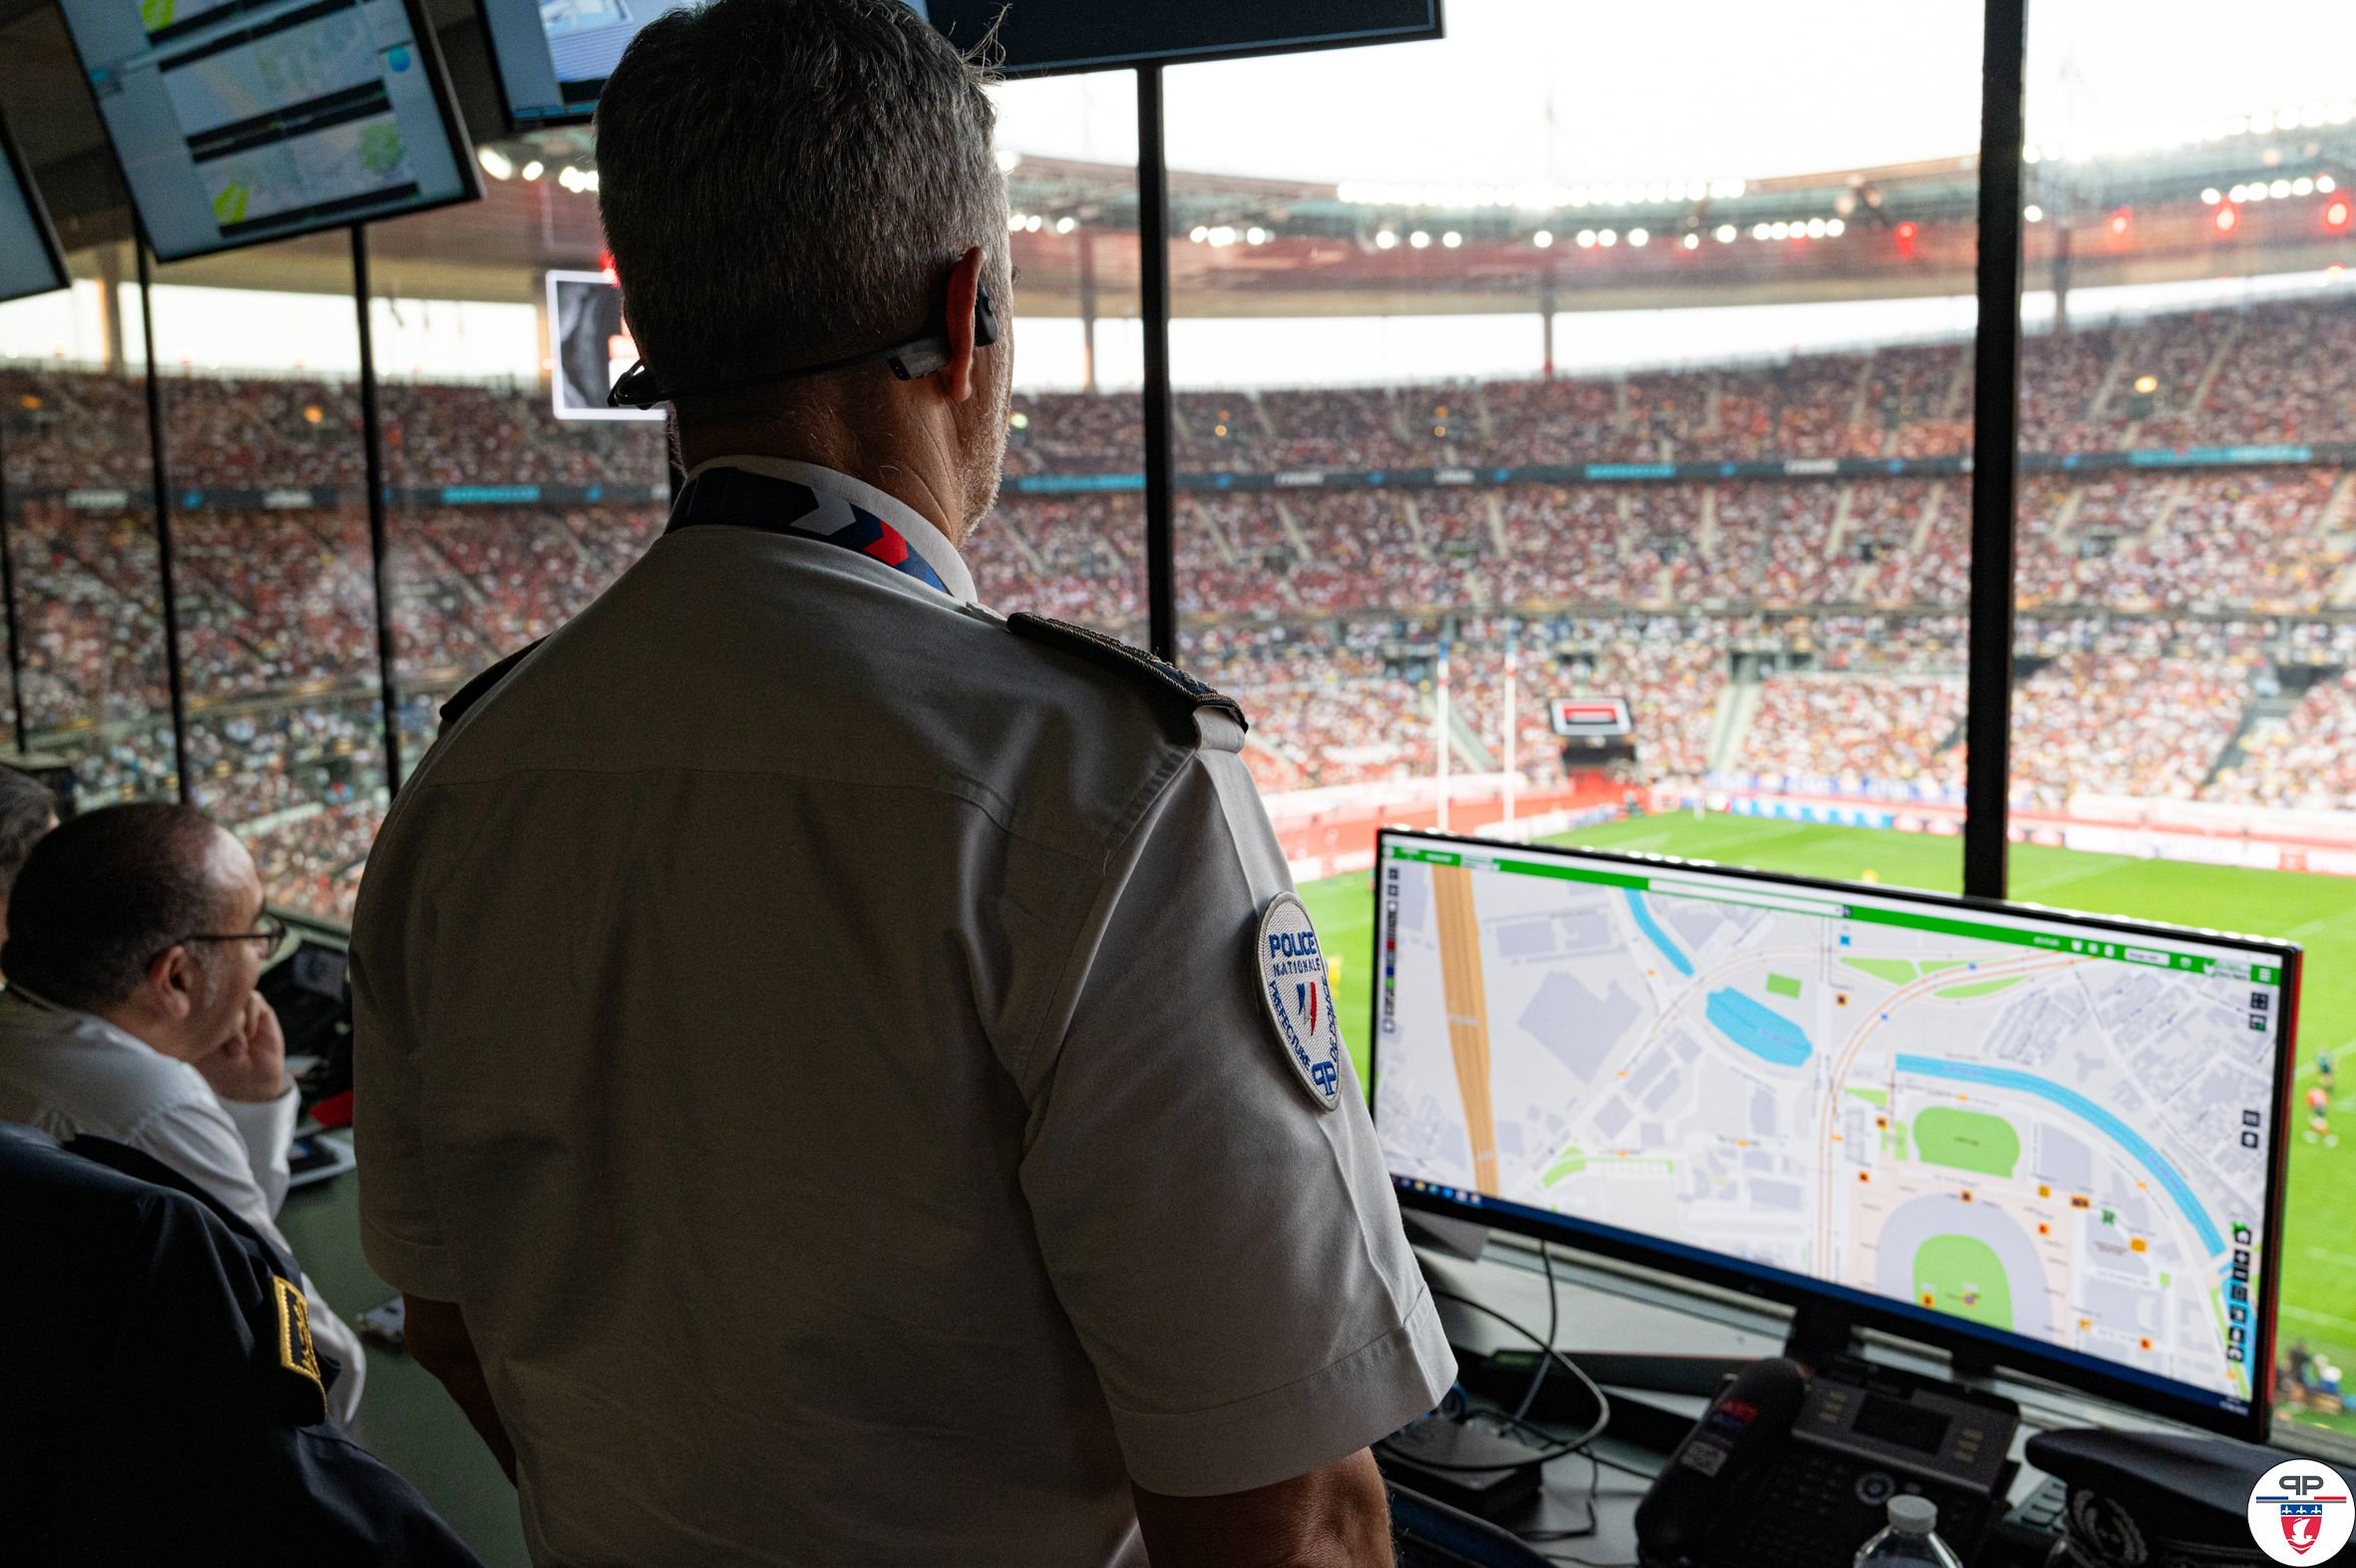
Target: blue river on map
(1660, 938)
(1759, 1028)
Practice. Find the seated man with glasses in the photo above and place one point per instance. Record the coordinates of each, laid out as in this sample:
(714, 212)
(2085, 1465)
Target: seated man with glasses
(136, 934)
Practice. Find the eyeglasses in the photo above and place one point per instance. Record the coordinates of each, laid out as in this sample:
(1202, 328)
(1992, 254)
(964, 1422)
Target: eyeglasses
(272, 932)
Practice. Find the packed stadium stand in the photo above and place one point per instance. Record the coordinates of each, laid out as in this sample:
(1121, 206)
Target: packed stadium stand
(2183, 637)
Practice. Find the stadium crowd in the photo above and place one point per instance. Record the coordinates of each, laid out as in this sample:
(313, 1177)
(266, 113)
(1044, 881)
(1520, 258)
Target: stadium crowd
(1842, 591)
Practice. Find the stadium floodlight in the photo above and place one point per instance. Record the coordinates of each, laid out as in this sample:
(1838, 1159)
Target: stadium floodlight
(1543, 239)
(1255, 235)
(1199, 233)
(1419, 240)
(1815, 228)
(2032, 154)
(1008, 160)
(1725, 233)
(532, 170)
(1587, 239)
(1693, 241)
(1451, 240)
(1835, 228)
(1033, 223)
(1638, 239)
(2325, 184)
(496, 163)
(2033, 214)
(1066, 224)
(2279, 189)
(1759, 230)
(1386, 238)
(2302, 186)
(1607, 237)
(2211, 196)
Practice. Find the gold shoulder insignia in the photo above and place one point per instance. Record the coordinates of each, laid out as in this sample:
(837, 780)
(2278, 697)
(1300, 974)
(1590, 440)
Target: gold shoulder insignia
(295, 1352)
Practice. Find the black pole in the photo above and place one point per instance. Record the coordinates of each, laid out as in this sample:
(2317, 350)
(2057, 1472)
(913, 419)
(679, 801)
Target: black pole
(16, 641)
(174, 681)
(380, 559)
(1153, 303)
(1995, 453)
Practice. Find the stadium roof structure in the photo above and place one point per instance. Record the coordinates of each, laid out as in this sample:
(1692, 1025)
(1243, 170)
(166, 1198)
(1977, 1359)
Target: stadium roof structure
(1250, 247)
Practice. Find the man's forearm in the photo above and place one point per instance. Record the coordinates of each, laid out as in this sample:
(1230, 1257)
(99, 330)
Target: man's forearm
(1337, 1517)
(472, 1393)
(435, 1334)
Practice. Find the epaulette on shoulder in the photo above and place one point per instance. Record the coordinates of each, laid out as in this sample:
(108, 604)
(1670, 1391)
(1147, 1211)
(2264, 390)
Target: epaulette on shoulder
(1175, 694)
(478, 688)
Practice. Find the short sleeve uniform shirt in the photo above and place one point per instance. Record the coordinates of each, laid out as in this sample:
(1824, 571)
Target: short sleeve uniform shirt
(817, 1035)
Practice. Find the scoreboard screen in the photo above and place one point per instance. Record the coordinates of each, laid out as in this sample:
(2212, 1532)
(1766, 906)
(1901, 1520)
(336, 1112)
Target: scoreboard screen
(1576, 718)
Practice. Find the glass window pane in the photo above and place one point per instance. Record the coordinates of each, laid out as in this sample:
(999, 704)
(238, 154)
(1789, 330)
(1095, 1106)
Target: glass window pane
(2183, 730)
(504, 521)
(1060, 542)
(276, 603)
(1501, 384)
(80, 503)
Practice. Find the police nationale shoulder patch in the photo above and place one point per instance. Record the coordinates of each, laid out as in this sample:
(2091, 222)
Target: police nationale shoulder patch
(296, 1354)
(1300, 999)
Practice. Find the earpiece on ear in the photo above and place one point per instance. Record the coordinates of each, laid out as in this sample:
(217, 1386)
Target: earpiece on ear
(985, 317)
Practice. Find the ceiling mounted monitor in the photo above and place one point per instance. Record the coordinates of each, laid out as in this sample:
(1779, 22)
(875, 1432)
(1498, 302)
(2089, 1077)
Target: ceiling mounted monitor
(243, 121)
(553, 55)
(30, 261)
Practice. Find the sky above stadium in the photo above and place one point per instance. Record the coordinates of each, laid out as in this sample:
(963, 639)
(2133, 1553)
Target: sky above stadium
(1575, 91)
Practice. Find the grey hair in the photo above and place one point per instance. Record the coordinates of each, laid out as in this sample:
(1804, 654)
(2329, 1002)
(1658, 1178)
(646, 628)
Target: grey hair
(785, 181)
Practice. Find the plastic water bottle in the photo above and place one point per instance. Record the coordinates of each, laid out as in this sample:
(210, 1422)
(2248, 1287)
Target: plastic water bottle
(1910, 1540)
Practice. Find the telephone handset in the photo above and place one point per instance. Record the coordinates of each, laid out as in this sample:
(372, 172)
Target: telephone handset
(1789, 1468)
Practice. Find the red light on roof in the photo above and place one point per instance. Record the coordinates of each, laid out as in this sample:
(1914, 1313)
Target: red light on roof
(1907, 233)
(606, 266)
(2337, 215)
(2119, 220)
(1907, 230)
(2225, 220)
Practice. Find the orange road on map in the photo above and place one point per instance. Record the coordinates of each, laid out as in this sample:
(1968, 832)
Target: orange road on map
(1468, 1015)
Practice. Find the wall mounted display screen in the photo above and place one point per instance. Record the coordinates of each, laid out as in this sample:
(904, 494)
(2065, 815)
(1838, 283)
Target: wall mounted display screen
(592, 347)
(242, 121)
(2053, 1138)
(30, 261)
(553, 55)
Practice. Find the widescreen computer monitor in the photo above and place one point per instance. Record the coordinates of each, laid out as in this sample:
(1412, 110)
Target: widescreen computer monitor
(553, 55)
(30, 261)
(240, 120)
(2052, 1140)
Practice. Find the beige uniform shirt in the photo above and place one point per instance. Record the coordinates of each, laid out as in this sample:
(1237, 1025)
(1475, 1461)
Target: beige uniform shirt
(817, 1035)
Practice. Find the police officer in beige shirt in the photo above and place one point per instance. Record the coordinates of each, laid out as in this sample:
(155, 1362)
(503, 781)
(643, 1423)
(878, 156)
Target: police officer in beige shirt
(843, 1077)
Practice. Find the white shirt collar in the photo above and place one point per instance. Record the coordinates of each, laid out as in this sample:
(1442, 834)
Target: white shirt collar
(923, 537)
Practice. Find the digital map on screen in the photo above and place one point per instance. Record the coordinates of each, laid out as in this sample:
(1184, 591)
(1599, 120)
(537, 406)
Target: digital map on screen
(2039, 1127)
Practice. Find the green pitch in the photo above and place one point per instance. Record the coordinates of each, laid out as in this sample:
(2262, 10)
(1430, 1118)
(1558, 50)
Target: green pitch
(2319, 1256)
